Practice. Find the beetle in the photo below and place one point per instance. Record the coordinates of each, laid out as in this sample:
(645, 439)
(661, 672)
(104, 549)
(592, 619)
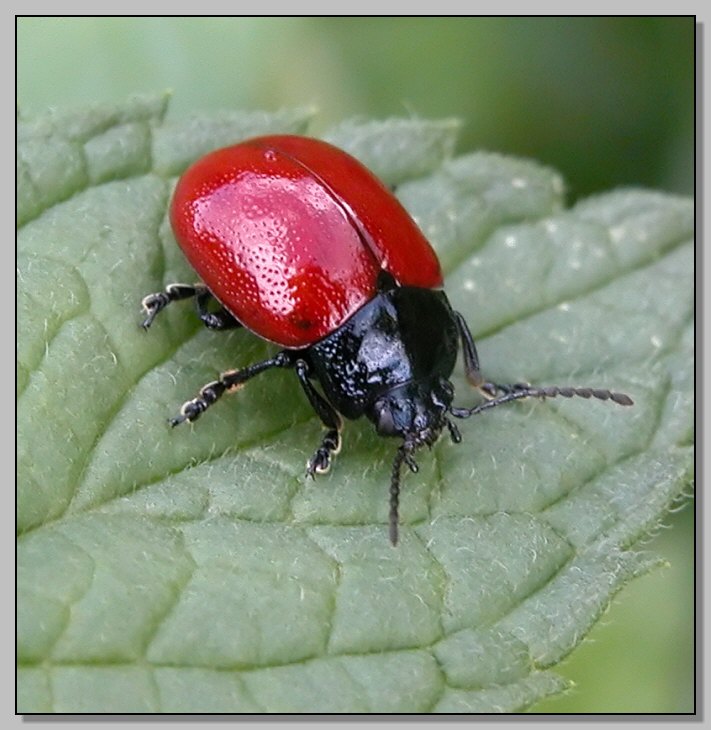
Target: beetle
(297, 241)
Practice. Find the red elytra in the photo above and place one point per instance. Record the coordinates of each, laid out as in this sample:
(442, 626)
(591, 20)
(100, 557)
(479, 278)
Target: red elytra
(289, 234)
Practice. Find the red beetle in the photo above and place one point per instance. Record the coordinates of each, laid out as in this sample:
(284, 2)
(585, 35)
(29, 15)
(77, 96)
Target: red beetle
(301, 244)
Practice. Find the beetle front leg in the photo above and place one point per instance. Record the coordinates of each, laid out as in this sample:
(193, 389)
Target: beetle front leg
(320, 462)
(471, 358)
(229, 381)
(471, 365)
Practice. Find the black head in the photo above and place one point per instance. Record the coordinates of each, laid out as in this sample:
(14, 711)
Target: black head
(416, 412)
(392, 361)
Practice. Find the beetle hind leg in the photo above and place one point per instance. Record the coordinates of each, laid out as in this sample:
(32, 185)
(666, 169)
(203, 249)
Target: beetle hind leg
(220, 319)
(153, 304)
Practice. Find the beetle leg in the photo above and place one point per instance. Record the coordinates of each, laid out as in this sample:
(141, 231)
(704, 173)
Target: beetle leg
(155, 303)
(471, 365)
(331, 443)
(471, 358)
(497, 393)
(218, 320)
(229, 381)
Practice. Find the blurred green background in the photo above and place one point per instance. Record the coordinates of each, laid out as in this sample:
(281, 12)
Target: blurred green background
(607, 101)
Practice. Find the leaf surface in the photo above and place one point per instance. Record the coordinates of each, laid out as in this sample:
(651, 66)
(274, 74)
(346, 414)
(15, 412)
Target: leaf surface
(197, 570)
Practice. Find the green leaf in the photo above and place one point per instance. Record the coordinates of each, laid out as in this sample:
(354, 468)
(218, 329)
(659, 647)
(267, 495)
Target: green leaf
(197, 570)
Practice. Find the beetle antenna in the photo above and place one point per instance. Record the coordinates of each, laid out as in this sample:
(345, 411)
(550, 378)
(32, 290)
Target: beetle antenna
(520, 390)
(402, 455)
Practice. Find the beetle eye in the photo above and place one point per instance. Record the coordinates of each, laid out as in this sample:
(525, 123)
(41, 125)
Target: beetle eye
(386, 423)
(441, 394)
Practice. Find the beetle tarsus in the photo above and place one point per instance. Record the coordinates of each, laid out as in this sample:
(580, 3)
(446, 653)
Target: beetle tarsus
(320, 462)
(152, 304)
(229, 381)
(193, 409)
